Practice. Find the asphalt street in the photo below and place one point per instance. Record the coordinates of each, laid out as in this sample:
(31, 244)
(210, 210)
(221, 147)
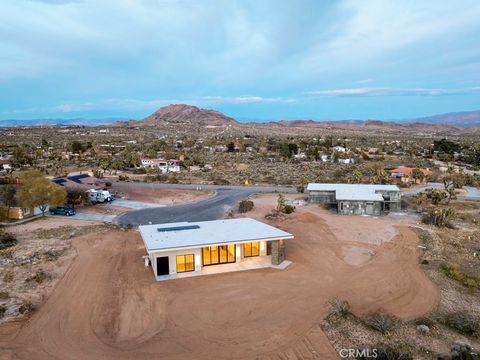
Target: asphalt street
(215, 207)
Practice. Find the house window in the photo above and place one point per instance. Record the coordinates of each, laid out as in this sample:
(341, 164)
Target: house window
(251, 249)
(185, 263)
(222, 254)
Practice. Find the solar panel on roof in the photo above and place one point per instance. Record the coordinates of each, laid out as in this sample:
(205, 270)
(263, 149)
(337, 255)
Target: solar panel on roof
(179, 228)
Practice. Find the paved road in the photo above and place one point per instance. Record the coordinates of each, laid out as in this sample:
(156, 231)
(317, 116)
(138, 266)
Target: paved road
(225, 198)
(471, 192)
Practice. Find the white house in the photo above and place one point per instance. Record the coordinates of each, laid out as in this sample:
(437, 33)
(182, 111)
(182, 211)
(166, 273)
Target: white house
(184, 249)
(165, 166)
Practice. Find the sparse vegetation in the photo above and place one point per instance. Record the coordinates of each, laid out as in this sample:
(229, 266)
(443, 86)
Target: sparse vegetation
(337, 309)
(380, 322)
(245, 206)
(465, 322)
(7, 240)
(453, 271)
(26, 308)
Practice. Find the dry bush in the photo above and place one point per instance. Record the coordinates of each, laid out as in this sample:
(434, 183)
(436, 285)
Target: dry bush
(26, 307)
(4, 295)
(453, 271)
(337, 309)
(7, 240)
(245, 206)
(8, 276)
(380, 322)
(464, 322)
(39, 277)
(3, 309)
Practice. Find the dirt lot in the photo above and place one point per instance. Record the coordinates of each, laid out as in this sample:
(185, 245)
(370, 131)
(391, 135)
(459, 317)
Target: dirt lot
(109, 306)
(107, 209)
(160, 196)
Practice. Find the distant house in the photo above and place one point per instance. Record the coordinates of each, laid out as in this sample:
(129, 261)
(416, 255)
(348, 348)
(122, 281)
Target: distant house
(165, 166)
(84, 181)
(184, 249)
(5, 164)
(404, 175)
(15, 213)
(339, 149)
(356, 199)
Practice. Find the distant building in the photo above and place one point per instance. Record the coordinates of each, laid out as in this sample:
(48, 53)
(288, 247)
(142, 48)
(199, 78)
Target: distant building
(165, 166)
(356, 199)
(404, 175)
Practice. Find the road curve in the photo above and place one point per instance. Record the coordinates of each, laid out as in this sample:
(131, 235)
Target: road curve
(215, 207)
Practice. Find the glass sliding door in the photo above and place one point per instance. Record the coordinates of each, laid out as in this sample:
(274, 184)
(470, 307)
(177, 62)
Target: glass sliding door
(222, 254)
(251, 249)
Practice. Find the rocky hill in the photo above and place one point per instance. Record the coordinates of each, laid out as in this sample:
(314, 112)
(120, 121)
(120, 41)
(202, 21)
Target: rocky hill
(183, 114)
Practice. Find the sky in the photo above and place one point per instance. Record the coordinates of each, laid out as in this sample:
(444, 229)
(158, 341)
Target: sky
(254, 60)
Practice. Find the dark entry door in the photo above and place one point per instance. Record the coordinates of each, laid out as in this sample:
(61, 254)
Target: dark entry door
(162, 266)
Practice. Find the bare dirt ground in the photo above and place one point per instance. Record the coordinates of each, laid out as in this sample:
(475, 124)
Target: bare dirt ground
(30, 270)
(109, 306)
(161, 196)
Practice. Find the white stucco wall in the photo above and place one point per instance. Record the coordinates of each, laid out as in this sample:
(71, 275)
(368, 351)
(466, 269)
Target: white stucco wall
(197, 252)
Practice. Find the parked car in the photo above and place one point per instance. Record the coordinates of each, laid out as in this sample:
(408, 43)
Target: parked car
(62, 210)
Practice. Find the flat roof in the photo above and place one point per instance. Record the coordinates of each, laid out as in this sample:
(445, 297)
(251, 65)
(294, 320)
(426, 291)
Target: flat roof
(358, 192)
(204, 233)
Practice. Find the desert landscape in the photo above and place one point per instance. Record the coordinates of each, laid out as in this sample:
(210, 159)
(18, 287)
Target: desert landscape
(123, 314)
(274, 180)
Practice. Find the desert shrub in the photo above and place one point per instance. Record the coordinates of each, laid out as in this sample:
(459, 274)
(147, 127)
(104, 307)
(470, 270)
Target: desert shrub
(3, 309)
(7, 240)
(453, 271)
(39, 277)
(288, 209)
(464, 322)
(108, 183)
(439, 217)
(4, 295)
(123, 178)
(26, 307)
(424, 321)
(8, 276)
(245, 206)
(301, 189)
(52, 255)
(337, 309)
(462, 351)
(380, 322)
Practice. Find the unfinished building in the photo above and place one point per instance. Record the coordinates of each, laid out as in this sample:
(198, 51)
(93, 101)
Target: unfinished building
(356, 199)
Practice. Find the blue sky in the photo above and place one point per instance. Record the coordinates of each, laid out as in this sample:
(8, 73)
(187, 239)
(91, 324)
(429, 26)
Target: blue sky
(255, 60)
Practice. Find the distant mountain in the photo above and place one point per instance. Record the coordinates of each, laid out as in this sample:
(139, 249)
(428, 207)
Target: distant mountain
(465, 119)
(371, 125)
(58, 121)
(183, 114)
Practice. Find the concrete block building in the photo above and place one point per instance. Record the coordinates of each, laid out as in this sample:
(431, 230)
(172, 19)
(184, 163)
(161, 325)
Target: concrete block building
(356, 199)
(186, 249)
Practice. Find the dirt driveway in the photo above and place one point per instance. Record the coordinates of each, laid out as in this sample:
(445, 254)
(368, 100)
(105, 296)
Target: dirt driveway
(109, 306)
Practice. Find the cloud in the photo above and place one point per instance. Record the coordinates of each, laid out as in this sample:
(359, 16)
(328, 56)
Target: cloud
(132, 105)
(393, 92)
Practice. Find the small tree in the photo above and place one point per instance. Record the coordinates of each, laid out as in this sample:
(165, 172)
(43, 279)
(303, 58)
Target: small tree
(245, 206)
(280, 203)
(440, 216)
(75, 195)
(418, 174)
(37, 191)
(435, 195)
